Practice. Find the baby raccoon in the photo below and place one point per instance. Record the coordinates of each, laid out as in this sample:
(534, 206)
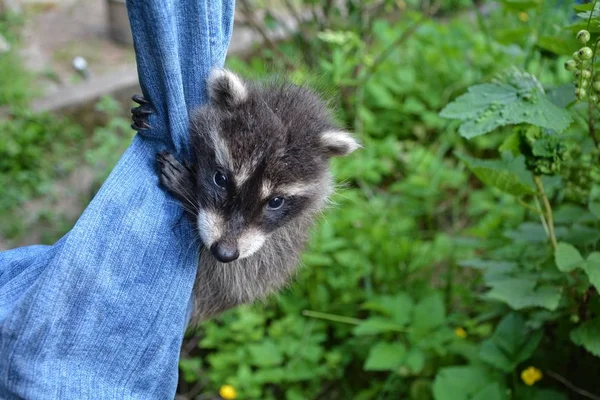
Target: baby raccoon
(258, 177)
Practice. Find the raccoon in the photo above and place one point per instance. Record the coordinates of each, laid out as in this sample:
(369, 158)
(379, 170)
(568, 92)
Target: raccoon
(257, 179)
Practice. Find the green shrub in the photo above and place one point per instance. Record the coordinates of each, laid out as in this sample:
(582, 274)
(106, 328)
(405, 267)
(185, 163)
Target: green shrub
(35, 149)
(434, 276)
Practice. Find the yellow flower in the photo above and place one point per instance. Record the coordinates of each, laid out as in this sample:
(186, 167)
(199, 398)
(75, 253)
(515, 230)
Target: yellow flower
(523, 16)
(228, 392)
(460, 332)
(531, 375)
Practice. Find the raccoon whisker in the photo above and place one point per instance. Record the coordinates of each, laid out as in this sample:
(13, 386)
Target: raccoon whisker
(329, 204)
(189, 197)
(189, 201)
(183, 205)
(342, 184)
(193, 242)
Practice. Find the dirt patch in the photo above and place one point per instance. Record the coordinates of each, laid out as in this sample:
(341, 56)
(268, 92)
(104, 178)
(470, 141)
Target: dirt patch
(54, 35)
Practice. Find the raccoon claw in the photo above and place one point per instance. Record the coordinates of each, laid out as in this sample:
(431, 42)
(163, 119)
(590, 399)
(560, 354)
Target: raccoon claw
(138, 98)
(140, 126)
(140, 114)
(139, 111)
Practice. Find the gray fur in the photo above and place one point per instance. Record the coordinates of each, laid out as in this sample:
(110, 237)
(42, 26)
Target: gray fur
(273, 138)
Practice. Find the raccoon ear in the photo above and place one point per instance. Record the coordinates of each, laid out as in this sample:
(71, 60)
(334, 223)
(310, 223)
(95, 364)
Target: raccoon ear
(338, 143)
(226, 89)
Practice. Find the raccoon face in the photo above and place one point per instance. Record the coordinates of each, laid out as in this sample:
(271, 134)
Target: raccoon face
(261, 161)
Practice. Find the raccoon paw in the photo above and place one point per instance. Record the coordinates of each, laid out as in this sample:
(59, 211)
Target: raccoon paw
(178, 179)
(171, 170)
(140, 114)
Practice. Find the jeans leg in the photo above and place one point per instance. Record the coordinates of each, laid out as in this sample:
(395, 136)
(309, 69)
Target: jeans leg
(101, 313)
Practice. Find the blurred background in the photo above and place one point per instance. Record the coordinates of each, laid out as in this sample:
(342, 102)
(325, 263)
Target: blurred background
(392, 302)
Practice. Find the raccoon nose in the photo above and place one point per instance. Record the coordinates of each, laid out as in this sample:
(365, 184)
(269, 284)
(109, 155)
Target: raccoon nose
(224, 253)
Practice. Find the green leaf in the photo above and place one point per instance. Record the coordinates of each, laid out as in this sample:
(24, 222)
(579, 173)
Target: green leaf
(270, 375)
(583, 7)
(398, 307)
(588, 336)
(595, 208)
(562, 95)
(385, 357)
(515, 97)
(567, 257)
(375, 325)
(524, 292)
(415, 360)
(528, 232)
(511, 343)
(477, 263)
(493, 391)
(508, 175)
(568, 214)
(265, 354)
(190, 367)
(547, 394)
(592, 269)
(579, 25)
(511, 35)
(594, 200)
(520, 5)
(512, 144)
(593, 11)
(557, 45)
(461, 383)
(316, 260)
(420, 389)
(428, 314)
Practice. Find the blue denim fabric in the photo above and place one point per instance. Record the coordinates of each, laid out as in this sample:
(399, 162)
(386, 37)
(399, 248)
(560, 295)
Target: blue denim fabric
(101, 314)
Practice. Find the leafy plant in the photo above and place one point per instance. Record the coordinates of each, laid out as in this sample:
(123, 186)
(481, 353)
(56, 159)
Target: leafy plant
(461, 258)
(450, 268)
(550, 285)
(34, 150)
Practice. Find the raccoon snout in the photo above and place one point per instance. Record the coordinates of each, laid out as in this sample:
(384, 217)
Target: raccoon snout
(224, 252)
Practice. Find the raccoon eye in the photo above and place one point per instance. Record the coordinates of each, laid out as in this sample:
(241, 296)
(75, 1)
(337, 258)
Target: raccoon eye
(275, 203)
(220, 179)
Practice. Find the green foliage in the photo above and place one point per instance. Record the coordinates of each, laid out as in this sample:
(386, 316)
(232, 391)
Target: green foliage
(515, 97)
(511, 344)
(16, 82)
(466, 383)
(109, 141)
(463, 250)
(508, 174)
(586, 335)
(34, 150)
(422, 283)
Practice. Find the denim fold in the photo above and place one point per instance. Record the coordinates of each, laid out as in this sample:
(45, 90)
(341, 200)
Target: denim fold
(101, 314)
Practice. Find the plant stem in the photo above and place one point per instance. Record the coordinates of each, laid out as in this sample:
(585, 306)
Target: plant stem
(258, 27)
(548, 209)
(591, 15)
(390, 379)
(449, 289)
(331, 317)
(542, 216)
(539, 29)
(591, 126)
(527, 206)
(370, 70)
(574, 388)
(481, 22)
